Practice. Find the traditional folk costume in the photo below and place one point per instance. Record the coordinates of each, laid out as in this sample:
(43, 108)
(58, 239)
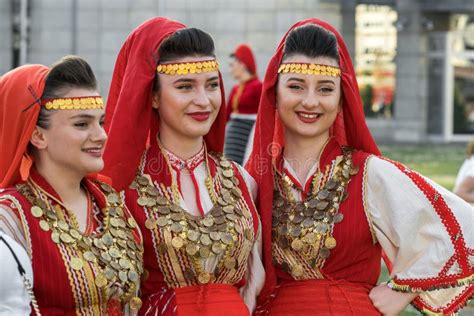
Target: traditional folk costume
(242, 109)
(197, 216)
(17, 277)
(96, 272)
(323, 237)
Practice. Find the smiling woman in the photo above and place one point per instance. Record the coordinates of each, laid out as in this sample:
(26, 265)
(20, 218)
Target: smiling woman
(52, 202)
(330, 203)
(195, 207)
(70, 143)
(187, 105)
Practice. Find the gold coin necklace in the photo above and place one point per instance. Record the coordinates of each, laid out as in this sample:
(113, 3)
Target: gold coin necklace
(305, 226)
(199, 237)
(115, 254)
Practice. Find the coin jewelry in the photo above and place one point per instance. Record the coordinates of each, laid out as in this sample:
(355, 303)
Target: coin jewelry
(115, 254)
(305, 226)
(200, 237)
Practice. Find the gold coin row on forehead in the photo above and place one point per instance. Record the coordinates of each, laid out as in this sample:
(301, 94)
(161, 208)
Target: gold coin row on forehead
(305, 226)
(310, 69)
(211, 235)
(75, 103)
(116, 251)
(188, 68)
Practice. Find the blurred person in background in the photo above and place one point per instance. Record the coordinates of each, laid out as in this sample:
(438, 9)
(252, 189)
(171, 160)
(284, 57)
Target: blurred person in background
(242, 105)
(464, 186)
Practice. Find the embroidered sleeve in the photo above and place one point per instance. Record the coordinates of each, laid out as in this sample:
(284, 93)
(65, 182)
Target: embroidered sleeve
(10, 224)
(249, 181)
(255, 274)
(426, 232)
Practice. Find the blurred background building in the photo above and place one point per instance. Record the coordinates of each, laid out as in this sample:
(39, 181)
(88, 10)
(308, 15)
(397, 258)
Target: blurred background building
(414, 58)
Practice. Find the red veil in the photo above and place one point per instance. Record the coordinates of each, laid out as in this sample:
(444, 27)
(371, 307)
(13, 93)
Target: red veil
(349, 129)
(20, 104)
(130, 121)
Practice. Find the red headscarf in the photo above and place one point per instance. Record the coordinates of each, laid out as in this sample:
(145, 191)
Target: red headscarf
(20, 104)
(349, 129)
(129, 118)
(244, 54)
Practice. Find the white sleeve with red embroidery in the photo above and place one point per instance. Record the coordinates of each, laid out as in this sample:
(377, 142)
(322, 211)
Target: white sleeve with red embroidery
(255, 275)
(10, 224)
(425, 231)
(14, 297)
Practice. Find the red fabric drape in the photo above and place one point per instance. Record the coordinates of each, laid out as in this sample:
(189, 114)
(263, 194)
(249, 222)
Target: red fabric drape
(20, 93)
(130, 120)
(349, 129)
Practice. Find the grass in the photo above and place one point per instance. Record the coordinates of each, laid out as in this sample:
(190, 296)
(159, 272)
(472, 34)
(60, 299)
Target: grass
(436, 161)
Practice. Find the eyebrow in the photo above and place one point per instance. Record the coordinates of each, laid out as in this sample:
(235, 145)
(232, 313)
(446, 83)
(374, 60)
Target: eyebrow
(193, 80)
(85, 116)
(303, 81)
(296, 79)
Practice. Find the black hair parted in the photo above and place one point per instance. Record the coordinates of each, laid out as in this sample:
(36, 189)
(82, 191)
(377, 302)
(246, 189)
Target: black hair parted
(312, 41)
(184, 43)
(188, 42)
(67, 73)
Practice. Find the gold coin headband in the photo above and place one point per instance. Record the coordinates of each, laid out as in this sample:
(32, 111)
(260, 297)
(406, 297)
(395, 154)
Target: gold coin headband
(310, 69)
(195, 67)
(79, 103)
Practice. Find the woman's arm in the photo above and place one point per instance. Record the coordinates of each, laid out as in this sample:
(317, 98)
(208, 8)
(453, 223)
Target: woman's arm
(388, 301)
(10, 224)
(466, 190)
(425, 232)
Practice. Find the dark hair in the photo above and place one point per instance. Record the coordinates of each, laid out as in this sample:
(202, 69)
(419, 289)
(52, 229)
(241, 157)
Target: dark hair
(312, 41)
(67, 73)
(184, 43)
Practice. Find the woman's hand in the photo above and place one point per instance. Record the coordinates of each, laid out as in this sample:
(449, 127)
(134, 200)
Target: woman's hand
(388, 301)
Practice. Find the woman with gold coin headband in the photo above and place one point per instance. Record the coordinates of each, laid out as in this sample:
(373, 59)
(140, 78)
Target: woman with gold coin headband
(330, 203)
(85, 248)
(166, 122)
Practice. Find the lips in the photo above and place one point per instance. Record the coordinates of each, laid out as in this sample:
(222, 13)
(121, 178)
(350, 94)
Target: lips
(94, 151)
(199, 116)
(308, 117)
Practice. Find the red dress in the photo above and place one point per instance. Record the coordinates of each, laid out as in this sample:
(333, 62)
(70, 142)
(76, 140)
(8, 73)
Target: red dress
(424, 230)
(333, 279)
(177, 243)
(327, 250)
(71, 276)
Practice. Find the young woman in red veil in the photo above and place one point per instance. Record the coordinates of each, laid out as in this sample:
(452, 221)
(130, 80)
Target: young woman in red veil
(330, 204)
(166, 120)
(85, 249)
